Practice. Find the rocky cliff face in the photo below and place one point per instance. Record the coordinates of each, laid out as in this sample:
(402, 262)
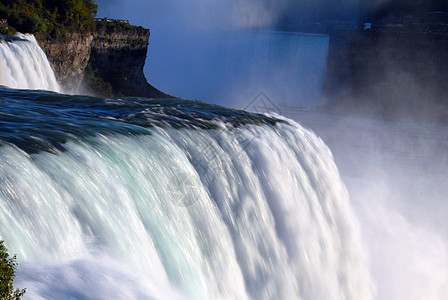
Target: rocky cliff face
(68, 57)
(107, 62)
(118, 57)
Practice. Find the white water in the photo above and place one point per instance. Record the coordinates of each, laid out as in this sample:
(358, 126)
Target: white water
(397, 178)
(23, 65)
(256, 212)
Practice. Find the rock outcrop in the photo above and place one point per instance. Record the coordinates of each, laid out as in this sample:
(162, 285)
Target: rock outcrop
(114, 56)
(68, 58)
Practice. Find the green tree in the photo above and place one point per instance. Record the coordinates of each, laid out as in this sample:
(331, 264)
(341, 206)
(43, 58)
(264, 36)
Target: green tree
(49, 16)
(7, 274)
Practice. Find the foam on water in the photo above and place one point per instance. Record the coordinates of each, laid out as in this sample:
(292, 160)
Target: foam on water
(256, 212)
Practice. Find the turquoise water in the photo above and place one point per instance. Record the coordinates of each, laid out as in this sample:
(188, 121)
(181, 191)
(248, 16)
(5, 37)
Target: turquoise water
(171, 199)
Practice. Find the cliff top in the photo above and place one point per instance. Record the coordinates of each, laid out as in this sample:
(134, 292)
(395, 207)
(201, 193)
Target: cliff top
(50, 17)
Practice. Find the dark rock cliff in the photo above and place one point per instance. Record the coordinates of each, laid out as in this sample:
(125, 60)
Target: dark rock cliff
(68, 57)
(107, 62)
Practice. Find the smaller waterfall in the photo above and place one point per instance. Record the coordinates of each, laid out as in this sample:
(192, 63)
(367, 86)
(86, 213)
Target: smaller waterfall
(23, 64)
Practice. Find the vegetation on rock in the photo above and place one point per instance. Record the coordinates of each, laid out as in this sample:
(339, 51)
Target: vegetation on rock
(7, 274)
(52, 17)
(109, 25)
(104, 56)
(96, 84)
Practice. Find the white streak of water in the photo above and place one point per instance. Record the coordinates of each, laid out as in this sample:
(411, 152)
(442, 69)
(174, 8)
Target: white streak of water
(23, 65)
(256, 212)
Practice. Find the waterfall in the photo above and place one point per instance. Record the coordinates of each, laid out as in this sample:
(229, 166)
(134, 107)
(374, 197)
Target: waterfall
(172, 199)
(23, 64)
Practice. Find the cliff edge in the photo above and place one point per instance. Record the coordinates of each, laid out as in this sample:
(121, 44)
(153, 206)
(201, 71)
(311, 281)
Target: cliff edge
(106, 62)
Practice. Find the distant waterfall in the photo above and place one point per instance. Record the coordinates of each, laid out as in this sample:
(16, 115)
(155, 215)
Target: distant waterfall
(231, 68)
(23, 64)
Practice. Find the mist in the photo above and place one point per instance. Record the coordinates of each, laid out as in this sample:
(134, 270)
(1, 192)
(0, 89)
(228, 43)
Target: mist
(213, 50)
(395, 173)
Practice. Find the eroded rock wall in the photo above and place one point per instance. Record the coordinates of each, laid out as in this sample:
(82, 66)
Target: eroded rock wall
(68, 57)
(115, 56)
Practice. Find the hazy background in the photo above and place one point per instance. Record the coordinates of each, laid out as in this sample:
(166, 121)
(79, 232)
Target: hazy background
(207, 50)
(214, 50)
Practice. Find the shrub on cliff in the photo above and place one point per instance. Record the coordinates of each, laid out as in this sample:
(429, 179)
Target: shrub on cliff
(7, 275)
(110, 26)
(52, 17)
(95, 83)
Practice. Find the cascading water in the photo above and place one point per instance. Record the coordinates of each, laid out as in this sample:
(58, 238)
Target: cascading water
(23, 64)
(172, 199)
